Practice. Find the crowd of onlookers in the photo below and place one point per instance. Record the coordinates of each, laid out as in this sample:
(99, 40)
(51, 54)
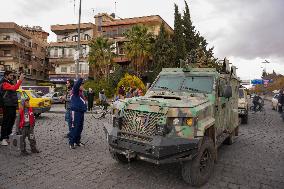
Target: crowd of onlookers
(77, 102)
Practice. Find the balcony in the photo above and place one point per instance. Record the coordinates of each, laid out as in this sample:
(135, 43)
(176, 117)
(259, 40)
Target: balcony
(15, 41)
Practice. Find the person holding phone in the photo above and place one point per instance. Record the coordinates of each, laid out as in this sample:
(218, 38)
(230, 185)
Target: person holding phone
(10, 104)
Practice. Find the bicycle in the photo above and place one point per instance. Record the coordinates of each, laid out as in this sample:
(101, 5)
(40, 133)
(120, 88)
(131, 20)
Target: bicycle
(100, 111)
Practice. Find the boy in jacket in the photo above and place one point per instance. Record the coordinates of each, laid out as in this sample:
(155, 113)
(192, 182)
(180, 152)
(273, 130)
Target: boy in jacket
(26, 124)
(78, 108)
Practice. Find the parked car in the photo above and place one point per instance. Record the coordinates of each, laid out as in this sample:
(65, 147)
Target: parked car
(275, 103)
(39, 104)
(55, 97)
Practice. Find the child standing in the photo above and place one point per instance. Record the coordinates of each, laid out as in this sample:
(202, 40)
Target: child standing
(26, 126)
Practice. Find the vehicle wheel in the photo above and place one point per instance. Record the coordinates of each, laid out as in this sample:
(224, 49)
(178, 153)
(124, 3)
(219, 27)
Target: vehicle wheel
(120, 158)
(198, 171)
(230, 139)
(245, 119)
(37, 115)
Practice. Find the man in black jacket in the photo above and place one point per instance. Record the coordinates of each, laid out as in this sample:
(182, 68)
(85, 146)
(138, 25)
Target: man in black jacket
(10, 104)
(280, 101)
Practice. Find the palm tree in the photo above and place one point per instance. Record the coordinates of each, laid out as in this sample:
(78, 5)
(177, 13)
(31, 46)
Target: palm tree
(100, 57)
(138, 47)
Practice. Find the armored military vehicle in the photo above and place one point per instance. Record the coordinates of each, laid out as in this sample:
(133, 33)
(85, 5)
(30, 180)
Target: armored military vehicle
(184, 116)
(243, 105)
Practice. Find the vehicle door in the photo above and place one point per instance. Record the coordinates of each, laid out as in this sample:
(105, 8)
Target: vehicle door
(221, 112)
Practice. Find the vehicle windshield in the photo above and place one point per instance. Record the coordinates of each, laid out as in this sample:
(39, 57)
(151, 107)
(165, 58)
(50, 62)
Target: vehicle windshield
(196, 84)
(34, 94)
(241, 93)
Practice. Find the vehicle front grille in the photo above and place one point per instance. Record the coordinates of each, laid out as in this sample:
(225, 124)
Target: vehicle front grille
(139, 125)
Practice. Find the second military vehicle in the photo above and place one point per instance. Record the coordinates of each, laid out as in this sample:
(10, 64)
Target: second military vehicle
(184, 116)
(243, 105)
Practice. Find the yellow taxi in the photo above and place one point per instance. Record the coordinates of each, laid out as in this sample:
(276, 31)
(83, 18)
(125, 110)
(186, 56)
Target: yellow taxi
(39, 104)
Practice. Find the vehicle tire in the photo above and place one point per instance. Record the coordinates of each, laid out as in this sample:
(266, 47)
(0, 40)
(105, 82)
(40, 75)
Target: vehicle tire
(245, 119)
(198, 171)
(120, 158)
(230, 139)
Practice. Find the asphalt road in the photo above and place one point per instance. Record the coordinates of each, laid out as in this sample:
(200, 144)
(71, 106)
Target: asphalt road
(255, 160)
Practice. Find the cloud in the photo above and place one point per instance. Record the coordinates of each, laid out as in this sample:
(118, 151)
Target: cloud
(249, 29)
(33, 8)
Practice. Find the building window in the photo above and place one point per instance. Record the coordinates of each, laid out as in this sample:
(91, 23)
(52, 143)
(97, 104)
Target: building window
(22, 41)
(87, 37)
(55, 54)
(75, 38)
(70, 52)
(6, 37)
(100, 22)
(72, 69)
(7, 67)
(35, 45)
(7, 52)
(65, 39)
(64, 69)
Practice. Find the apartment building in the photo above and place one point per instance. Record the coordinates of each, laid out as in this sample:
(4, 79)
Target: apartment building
(114, 29)
(24, 49)
(61, 52)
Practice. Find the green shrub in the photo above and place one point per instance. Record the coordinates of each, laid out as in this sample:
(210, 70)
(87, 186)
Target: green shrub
(98, 85)
(131, 81)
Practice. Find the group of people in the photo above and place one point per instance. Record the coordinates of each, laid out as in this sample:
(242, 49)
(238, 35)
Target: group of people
(132, 92)
(76, 104)
(25, 120)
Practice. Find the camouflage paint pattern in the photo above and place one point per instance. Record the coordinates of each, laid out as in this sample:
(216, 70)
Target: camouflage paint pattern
(207, 110)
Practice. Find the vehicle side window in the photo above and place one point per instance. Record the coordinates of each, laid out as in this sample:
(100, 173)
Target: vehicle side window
(55, 95)
(25, 94)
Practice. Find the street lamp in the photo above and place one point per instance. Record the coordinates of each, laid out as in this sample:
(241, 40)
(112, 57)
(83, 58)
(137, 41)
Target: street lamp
(77, 54)
(265, 62)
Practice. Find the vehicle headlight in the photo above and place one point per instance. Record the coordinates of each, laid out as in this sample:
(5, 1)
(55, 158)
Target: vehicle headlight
(176, 121)
(188, 121)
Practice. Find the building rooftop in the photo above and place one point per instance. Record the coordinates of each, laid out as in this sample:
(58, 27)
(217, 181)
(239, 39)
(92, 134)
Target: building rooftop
(57, 29)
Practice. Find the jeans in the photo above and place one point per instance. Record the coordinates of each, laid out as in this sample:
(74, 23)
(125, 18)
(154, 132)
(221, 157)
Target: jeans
(77, 121)
(9, 116)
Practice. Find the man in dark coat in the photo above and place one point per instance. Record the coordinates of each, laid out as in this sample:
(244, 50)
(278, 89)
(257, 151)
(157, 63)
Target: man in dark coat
(90, 96)
(10, 104)
(280, 101)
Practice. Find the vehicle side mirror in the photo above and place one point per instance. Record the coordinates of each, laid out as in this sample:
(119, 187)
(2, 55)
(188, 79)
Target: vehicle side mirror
(228, 91)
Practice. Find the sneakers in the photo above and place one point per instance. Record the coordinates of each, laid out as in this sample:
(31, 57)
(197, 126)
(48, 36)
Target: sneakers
(4, 142)
(35, 151)
(72, 146)
(80, 144)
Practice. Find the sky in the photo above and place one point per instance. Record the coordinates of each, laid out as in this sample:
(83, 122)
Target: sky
(247, 32)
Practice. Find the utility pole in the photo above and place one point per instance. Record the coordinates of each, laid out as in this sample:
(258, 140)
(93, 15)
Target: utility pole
(77, 54)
